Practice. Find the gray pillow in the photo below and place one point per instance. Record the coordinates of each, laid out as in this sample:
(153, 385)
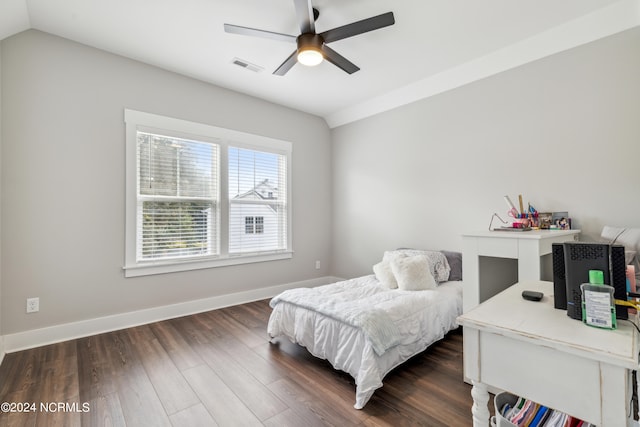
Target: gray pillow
(630, 239)
(455, 263)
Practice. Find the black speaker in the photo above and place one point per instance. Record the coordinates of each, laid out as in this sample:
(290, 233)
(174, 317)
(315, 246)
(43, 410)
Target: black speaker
(559, 278)
(579, 258)
(619, 279)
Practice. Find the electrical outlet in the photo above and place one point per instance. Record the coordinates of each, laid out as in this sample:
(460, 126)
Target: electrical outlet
(317, 265)
(33, 305)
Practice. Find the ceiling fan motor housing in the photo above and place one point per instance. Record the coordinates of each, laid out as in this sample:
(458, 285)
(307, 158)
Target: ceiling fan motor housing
(308, 41)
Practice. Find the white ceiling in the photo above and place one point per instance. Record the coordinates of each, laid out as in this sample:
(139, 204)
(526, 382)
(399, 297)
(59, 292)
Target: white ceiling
(435, 45)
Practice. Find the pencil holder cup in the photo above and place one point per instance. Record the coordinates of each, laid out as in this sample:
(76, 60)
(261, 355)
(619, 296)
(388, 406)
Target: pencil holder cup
(521, 222)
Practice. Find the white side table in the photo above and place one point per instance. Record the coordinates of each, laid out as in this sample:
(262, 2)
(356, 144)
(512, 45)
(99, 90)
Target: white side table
(526, 246)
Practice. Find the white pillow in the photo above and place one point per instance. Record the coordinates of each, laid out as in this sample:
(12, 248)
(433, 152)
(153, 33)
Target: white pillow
(412, 273)
(384, 274)
(437, 261)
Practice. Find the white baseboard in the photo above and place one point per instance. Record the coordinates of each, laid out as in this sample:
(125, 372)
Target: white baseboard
(58, 333)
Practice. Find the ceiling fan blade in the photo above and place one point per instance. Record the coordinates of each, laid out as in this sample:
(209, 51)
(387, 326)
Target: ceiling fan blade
(338, 60)
(304, 13)
(358, 27)
(287, 64)
(246, 31)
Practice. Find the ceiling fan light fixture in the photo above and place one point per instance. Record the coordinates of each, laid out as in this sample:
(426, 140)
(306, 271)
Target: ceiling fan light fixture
(310, 57)
(310, 49)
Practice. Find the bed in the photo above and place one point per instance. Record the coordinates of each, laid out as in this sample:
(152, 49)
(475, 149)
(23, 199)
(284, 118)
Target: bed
(369, 325)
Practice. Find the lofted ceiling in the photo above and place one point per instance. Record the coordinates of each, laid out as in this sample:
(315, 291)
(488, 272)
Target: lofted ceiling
(435, 45)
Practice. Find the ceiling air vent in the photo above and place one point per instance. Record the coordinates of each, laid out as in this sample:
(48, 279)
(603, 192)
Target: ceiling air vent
(248, 65)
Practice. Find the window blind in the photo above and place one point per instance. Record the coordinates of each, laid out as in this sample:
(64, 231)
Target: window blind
(257, 184)
(177, 197)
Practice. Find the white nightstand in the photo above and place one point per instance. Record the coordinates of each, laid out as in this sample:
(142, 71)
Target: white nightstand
(527, 247)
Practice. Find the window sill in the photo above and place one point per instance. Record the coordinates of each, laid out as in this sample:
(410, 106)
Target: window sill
(150, 268)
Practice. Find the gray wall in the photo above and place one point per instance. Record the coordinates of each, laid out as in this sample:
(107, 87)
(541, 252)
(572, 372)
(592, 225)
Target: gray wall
(63, 182)
(563, 131)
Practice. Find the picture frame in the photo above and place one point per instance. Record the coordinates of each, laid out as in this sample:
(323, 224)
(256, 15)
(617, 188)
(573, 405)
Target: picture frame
(545, 219)
(560, 221)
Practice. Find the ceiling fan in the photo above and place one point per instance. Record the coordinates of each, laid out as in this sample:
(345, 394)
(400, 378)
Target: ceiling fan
(312, 47)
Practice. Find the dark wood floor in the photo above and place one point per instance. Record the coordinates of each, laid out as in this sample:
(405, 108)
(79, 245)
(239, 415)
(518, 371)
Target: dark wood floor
(219, 368)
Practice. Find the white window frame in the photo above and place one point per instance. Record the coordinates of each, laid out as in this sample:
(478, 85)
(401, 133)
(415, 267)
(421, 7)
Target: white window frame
(137, 120)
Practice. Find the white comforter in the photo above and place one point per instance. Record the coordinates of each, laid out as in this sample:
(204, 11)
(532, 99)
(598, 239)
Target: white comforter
(329, 322)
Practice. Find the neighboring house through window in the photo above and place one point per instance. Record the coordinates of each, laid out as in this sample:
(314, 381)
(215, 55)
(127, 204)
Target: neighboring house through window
(176, 216)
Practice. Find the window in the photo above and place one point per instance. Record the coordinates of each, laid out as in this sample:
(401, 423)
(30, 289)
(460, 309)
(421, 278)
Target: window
(176, 173)
(248, 224)
(257, 197)
(253, 224)
(177, 198)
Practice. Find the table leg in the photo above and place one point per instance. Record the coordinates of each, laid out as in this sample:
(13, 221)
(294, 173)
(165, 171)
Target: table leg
(529, 262)
(480, 408)
(471, 267)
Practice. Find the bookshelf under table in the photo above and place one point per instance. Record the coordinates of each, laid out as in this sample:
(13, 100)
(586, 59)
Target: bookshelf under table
(536, 351)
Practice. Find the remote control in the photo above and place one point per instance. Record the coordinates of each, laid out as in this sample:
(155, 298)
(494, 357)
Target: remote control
(532, 295)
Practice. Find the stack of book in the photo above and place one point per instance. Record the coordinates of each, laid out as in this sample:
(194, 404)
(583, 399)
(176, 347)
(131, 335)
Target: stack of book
(527, 413)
